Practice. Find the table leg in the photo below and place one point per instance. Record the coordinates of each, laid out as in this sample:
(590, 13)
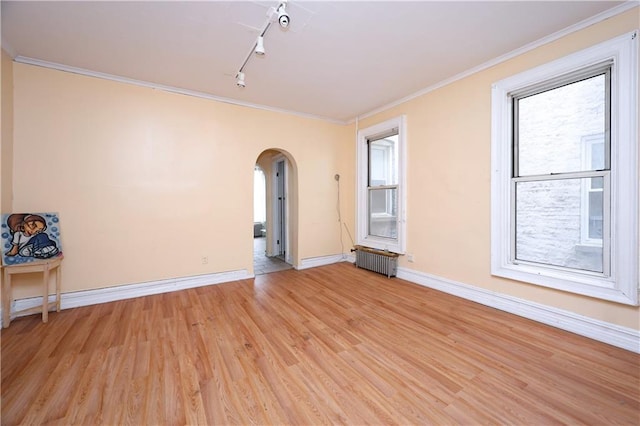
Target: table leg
(45, 295)
(58, 285)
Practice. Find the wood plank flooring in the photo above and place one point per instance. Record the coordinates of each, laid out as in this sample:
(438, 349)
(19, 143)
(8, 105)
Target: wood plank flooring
(329, 345)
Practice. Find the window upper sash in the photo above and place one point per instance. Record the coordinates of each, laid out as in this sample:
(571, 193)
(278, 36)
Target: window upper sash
(601, 69)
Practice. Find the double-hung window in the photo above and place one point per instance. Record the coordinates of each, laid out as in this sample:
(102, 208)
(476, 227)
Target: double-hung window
(565, 172)
(381, 186)
(549, 123)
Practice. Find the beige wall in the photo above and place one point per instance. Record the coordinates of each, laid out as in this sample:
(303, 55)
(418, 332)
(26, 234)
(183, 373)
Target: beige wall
(147, 182)
(6, 145)
(449, 156)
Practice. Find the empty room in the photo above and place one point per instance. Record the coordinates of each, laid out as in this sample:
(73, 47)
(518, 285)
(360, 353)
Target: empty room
(320, 212)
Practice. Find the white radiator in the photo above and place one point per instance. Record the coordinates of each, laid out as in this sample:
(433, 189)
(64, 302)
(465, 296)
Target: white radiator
(380, 261)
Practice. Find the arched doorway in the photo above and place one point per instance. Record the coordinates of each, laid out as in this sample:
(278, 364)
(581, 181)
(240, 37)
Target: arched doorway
(275, 238)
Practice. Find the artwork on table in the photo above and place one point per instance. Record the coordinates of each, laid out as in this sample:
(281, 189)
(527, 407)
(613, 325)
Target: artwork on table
(27, 237)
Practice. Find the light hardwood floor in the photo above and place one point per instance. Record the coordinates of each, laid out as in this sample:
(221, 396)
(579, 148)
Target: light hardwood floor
(330, 345)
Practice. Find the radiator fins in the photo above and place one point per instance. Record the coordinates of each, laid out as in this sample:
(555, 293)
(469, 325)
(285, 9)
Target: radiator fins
(382, 262)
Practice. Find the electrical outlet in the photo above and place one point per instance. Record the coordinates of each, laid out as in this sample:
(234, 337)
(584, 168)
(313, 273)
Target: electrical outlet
(204, 260)
(410, 257)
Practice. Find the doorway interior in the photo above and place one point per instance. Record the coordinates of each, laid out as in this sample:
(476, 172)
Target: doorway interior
(272, 208)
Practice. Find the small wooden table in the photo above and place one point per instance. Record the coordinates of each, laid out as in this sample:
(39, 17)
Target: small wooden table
(44, 266)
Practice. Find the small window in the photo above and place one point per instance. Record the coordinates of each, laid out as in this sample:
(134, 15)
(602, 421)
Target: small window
(381, 186)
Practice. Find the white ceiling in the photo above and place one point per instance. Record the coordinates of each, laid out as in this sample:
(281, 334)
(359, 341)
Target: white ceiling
(337, 60)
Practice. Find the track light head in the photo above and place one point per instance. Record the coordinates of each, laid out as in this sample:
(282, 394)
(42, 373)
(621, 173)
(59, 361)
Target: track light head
(259, 50)
(283, 16)
(240, 79)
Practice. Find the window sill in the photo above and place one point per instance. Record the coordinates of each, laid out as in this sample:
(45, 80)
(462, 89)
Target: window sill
(572, 282)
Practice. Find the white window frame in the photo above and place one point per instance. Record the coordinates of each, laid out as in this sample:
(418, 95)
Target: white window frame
(398, 244)
(621, 283)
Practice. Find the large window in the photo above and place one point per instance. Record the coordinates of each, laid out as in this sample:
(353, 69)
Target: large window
(549, 125)
(381, 186)
(564, 184)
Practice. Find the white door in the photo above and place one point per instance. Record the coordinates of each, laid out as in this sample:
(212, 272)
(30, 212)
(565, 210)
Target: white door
(280, 210)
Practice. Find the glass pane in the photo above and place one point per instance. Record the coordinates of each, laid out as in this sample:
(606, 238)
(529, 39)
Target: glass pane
(549, 216)
(378, 203)
(382, 161)
(596, 218)
(551, 126)
(383, 213)
(597, 183)
(597, 155)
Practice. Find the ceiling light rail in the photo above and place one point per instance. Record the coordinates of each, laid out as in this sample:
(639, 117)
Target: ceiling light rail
(278, 14)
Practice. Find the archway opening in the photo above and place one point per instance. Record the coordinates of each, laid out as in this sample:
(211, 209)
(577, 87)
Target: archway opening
(275, 201)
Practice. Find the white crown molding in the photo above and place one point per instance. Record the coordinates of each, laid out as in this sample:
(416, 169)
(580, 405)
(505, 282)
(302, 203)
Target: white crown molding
(547, 39)
(612, 334)
(110, 294)
(510, 55)
(170, 89)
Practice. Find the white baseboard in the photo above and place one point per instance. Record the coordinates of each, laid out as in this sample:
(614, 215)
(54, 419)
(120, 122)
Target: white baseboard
(102, 295)
(312, 262)
(622, 337)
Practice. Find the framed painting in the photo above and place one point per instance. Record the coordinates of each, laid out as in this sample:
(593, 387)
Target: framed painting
(28, 237)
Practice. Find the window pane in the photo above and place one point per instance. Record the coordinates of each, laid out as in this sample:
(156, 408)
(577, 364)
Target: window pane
(548, 220)
(378, 201)
(597, 183)
(382, 161)
(552, 124)
(596, 218)
(597, 155)
(383, 212)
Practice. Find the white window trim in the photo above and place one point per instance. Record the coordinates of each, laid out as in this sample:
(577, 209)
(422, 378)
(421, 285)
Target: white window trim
(622, 284)
(397, 245)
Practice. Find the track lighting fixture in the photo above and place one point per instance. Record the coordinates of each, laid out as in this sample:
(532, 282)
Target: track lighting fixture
(279, 13)
(283, 16)
(240, 79)
(259, 50)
